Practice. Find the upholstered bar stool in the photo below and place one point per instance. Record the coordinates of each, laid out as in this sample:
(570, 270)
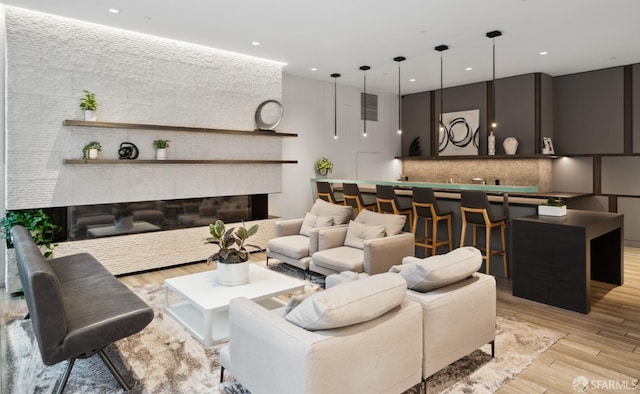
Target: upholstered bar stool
(325, 192)
(352, 197)
(426, 207)
(387, 201)
(476, 211)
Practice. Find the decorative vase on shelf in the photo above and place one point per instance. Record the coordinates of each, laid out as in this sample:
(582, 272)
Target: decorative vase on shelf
(491, 144)
(93, 154)
(89, 115)
(510, 145)
(161, 154)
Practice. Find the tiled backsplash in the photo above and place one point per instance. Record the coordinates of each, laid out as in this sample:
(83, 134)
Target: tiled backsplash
(516, 171)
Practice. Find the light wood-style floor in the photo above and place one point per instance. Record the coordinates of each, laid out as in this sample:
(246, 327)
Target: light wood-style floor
(603, 346)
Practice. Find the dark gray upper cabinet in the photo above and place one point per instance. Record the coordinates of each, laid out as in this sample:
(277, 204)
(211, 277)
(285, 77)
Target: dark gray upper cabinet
(635, 111)
(515, 112)
(416, 116)
(588, 112)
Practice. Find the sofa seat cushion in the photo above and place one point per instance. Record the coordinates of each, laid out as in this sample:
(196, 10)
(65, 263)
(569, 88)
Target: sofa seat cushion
(393, 223)
(357, 233)
(434, 272)
(342, 258)
(312, 221)
(340, 213)
(349, 303)
(294, 246)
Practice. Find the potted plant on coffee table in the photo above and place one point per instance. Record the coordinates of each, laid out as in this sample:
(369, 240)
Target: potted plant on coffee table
(91, 150)
(552, 207)
(233, 257)
(161, 149)
(89, 104)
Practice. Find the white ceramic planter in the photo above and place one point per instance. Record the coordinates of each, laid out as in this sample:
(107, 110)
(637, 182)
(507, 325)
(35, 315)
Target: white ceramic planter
(89, 115)
(161, 154)
(93, 154)
(549, 210)
(233, 274)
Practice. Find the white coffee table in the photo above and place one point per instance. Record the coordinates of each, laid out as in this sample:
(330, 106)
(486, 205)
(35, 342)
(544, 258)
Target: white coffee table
(202, 304)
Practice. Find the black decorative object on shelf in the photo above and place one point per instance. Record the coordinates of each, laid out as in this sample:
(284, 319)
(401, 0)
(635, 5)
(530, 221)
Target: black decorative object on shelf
(128, 151)
(414, 147)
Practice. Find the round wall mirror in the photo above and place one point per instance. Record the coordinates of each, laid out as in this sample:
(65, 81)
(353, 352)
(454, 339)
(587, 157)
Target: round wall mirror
(269, 115)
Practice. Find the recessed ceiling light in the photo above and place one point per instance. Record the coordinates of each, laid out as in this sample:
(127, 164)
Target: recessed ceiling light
(255, 43)
(468, 69)
(412, 80)
(314, 69)
(543, 53)
(114, 10)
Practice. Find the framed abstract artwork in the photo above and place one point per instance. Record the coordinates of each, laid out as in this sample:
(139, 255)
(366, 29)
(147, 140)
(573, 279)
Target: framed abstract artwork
(460, 133)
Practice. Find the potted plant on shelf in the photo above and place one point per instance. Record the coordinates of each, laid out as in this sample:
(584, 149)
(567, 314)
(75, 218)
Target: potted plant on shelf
(233, 262)
(89, 104)
(161, 149)
(91, 150)
(552, 207)
(324, 166)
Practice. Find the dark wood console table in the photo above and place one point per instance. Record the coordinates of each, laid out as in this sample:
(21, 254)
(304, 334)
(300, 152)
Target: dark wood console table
(555, 258)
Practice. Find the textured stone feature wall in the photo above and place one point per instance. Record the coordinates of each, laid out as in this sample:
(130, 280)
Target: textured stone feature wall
(137, 79)
(516, 172)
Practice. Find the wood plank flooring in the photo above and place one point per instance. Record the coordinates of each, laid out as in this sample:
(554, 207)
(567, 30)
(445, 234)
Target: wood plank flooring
(603, 346)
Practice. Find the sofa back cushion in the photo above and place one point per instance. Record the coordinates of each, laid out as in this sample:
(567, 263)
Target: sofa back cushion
(438, 271)
(341, 214)
(357, 233)
(312, 221)
(392, 223)
(350, 303)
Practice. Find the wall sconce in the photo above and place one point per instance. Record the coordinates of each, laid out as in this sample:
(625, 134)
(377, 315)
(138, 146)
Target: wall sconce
(364, 106)
(399, 59)
(335, 77)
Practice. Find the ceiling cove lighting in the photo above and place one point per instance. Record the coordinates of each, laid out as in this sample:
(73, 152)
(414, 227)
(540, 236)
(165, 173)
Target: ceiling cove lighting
(364, 105)
(399, 59)
(441, 48)
(492, 115)
(335, 77)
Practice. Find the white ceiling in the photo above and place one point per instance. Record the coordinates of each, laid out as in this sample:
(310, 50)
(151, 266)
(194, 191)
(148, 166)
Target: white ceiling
(340, 36)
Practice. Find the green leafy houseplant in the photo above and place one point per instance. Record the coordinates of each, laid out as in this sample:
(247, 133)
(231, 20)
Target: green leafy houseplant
(37, 222)
(91, 145)
(88, 101)
(226, 239)
(324, 166)
(554, 202)
(161, 144)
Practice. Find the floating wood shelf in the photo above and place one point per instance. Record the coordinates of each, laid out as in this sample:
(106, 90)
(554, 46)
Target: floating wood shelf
(110, 161)
(142, 126)
(479, 157)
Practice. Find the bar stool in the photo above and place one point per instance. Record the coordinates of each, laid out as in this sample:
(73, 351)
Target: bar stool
(325, 192)
(352, 197)
(477, 211)
(426, 207)
(387, 201)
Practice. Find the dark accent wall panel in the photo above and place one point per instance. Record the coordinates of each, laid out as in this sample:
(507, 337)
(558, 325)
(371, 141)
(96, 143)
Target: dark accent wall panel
(588, 112)
(515, 112)
(416, 118)
(463, 98)
(635, 110)
(546, 107)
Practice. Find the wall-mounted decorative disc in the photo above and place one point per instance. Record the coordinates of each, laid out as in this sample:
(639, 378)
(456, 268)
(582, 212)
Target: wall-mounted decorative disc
(269, 115)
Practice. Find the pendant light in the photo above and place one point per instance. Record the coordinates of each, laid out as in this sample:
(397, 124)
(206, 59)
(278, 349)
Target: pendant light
(335, 77)
(441, 48)
(399, 59)
(364, 111)
(492, 115)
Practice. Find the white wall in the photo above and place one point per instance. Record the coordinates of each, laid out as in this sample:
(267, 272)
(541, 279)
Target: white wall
(309, 111)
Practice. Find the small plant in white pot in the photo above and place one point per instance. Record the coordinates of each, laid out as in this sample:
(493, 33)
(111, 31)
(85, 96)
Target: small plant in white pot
(323, 166)
(233, 262)
(89, 104)
(552, 207)
(161, 149)
(90, 151)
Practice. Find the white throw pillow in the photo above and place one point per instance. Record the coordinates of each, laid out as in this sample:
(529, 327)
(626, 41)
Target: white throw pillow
(393, 223)
(438, 271)
(357, 233)
(311, 221)
(350, 303)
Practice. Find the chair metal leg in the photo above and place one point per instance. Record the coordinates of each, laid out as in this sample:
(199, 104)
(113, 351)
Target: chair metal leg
(113, 370)
(493, 349)
(221, 374)
(65, 377)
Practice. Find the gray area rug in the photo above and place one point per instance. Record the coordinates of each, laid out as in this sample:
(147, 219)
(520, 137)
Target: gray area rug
(164, 358)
